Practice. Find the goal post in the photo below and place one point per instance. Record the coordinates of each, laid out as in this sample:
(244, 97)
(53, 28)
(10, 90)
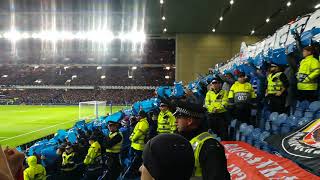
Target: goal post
(92, 109)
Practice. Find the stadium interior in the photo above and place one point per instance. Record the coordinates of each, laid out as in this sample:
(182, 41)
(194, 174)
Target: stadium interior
(110, 89)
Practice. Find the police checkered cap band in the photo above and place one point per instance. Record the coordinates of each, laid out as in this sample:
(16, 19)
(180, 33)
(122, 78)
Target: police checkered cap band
(185, 112)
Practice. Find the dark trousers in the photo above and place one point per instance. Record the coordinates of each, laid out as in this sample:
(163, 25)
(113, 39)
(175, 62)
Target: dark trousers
(113, 165)
(277, 103)
(136, 162)
(218, 123)
(307, 95)
(242, 112)
(70, 175)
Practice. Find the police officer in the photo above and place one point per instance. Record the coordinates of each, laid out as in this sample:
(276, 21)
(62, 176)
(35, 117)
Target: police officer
(242, 96)
(210, 159)
(166, 121)
(216, 102)
(113, 148)
(69, 164)
(35, 171)
(138, 139)
(276, 92)
(307, 75)
(93, 160)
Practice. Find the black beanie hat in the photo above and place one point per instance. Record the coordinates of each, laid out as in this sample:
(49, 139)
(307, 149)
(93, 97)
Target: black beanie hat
(169, 157)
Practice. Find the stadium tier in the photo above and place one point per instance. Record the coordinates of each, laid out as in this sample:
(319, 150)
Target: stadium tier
(92, 75)
(73, 97)
(113, 102)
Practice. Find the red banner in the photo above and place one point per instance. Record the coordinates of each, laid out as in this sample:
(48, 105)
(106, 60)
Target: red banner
(247, 162)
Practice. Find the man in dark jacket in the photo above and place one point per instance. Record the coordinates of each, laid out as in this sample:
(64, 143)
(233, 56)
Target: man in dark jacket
(210, 159)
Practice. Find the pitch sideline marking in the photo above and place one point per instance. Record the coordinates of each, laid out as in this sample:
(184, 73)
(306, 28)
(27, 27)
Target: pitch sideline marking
(31, 132)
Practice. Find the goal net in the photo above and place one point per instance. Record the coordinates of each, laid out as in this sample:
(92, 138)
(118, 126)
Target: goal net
(92, 109)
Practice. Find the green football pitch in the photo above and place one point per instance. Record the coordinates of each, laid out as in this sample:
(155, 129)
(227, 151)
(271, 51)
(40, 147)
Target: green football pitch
(24, 123)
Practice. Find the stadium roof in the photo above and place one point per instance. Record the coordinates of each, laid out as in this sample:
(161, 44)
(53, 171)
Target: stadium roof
(181, 16)
(192, 16)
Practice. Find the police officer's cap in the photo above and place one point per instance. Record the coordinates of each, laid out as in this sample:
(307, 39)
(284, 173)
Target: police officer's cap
(186, 109)
(163, 105)
(142, 113)
(93, 138)
(241, 74)
(215, 80)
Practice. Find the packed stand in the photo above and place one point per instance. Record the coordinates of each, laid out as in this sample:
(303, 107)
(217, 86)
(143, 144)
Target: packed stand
(74, 75)
(75, 96)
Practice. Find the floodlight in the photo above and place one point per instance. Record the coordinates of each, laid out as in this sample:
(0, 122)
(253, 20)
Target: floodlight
(288, 3)
(130, 77)
(99, 67)
(134, 68)
(221, 18)
(168, 68)
(167, 77)
(103, 77)
(267, 20)
(213, 30)
(163, 18)
(4, 76)
(231, 2)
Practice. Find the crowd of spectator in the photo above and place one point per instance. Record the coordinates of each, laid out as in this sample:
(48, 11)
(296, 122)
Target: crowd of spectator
(76, 96)
(75, 75)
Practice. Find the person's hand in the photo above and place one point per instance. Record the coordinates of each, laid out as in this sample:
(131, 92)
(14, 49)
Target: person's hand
(278, 94)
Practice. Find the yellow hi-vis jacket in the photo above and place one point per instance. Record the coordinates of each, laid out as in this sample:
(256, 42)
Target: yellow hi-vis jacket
(218, 101)
(68, 163)
(139, 134)
(274, 83)
(197, 143)
(241, 92)
(308, 73)
(34, 171)
(116, 148)
(93, 152)
(166, 122)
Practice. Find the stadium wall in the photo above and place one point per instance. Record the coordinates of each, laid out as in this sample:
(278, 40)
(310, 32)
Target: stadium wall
(195, 53)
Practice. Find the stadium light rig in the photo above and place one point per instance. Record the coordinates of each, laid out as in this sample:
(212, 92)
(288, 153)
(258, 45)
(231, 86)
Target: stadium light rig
(214, 30)
(267, 20)
(163, 18)
(95, 35)
(38, 81)
(288, 3)
(165, 30)
(221, 18)
(252, 32)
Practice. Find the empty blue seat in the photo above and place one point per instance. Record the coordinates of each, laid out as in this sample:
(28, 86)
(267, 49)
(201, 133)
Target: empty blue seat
(314, 106)
(309, 113)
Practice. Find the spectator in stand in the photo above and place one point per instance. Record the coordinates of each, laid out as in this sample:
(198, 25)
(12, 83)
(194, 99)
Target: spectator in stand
(228, 81)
